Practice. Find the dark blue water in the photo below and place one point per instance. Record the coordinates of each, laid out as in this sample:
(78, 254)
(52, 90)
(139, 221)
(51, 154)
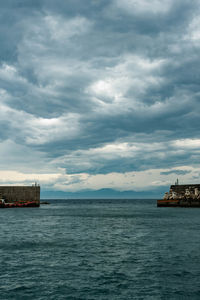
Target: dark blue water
(94, 249)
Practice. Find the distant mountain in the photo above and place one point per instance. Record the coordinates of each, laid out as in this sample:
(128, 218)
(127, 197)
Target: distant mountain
(104, 194)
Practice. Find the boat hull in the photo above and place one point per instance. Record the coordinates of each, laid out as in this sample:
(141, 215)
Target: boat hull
(19, 204)
(178, 203)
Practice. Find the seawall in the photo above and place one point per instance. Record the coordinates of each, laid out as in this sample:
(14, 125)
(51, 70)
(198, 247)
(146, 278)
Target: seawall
(14, 194)
(185, 195)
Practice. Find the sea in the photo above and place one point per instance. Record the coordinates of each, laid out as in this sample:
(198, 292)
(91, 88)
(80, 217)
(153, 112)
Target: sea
(100, 249)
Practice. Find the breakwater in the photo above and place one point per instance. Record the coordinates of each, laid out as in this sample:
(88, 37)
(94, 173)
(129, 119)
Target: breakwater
(20, 194)
(186, 195)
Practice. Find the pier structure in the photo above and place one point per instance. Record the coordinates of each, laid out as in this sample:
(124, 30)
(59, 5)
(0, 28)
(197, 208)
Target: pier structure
(184, 195)
(20, 194)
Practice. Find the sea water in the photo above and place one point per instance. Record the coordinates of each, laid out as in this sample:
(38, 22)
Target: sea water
(100, 249)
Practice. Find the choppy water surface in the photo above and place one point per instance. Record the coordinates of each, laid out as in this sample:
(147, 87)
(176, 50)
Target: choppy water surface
(98, 249)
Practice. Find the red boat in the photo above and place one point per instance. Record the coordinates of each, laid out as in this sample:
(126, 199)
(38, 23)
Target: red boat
(4, 204)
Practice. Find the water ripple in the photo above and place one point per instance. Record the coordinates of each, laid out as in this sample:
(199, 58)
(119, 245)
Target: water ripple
(99, 250)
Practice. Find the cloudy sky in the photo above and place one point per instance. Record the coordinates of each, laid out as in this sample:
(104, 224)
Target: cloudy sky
(98, 94)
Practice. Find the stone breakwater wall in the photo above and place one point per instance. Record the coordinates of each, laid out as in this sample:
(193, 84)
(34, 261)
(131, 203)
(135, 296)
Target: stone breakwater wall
(186, 195)
(20, 193)
(184, 191)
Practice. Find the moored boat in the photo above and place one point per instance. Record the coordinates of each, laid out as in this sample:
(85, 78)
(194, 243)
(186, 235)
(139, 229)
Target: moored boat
(4, 204)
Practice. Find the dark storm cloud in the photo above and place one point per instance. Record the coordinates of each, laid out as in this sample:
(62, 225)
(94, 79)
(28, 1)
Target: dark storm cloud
(102, 86)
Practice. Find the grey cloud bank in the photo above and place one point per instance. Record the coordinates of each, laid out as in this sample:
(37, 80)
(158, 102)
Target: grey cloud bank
(99, 94)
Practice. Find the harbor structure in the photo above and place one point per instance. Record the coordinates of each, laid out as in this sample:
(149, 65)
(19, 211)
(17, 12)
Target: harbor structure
(184, 195)
(20, 196)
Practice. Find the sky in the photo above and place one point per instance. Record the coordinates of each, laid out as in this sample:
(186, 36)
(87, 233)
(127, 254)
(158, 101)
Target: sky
(99, 94)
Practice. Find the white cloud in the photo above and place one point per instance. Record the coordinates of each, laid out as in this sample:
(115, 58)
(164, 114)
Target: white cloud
(61, 29)
(147, 153)
(15, 177)
(144, 6)
(122, 86)
(132, 181)
(48, 46)
(43, 130)
(187, 144)
(192, 33)
(37, 130)
(10, 74)
(17, 157)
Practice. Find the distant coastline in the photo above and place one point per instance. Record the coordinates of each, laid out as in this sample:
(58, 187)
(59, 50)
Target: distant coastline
(104, 194)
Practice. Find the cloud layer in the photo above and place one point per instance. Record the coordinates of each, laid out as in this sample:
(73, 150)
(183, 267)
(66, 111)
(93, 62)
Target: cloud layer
(100, 94)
